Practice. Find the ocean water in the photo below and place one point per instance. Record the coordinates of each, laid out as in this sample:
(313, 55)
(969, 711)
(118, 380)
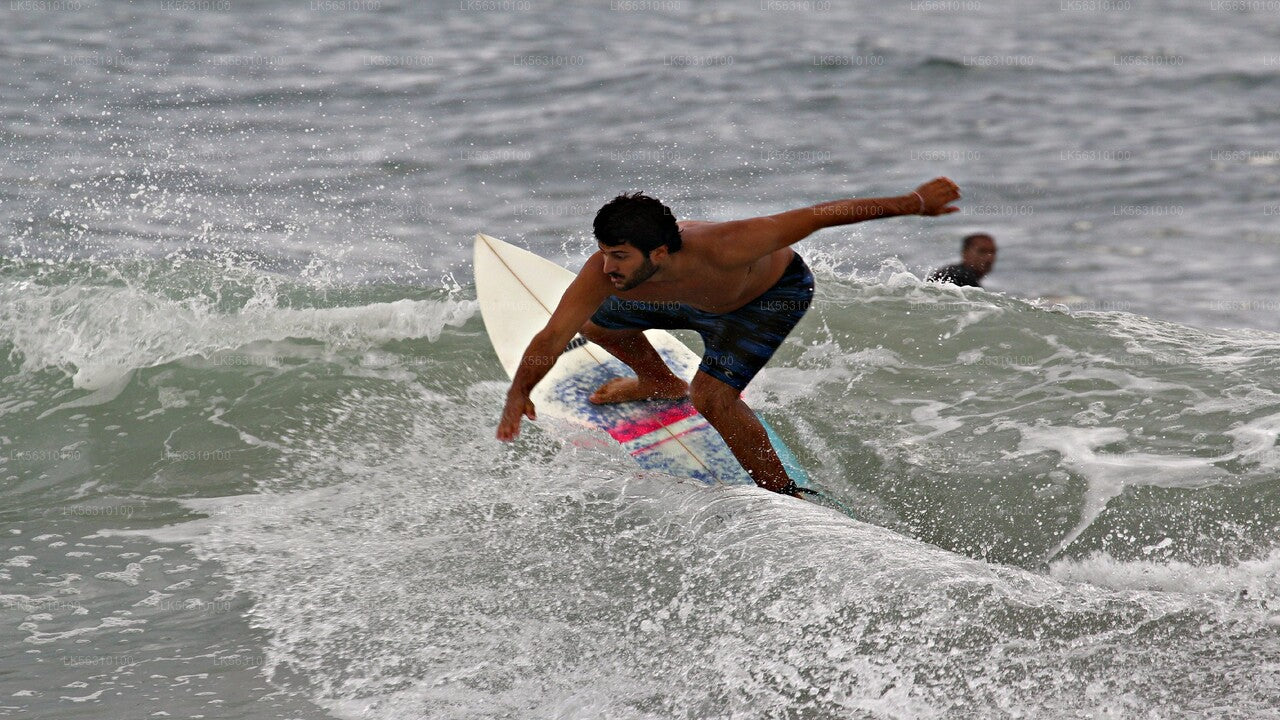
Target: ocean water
(247, 400)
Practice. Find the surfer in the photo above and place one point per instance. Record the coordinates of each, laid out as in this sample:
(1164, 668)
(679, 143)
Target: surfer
(737, 283)
(977, 257)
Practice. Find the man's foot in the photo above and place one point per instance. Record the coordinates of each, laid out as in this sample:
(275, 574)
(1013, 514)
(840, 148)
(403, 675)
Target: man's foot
(795, 490)
(626, 389)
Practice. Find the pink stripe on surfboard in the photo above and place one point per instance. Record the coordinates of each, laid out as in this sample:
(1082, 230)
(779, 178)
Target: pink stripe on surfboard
(640, 451)
(628, 430)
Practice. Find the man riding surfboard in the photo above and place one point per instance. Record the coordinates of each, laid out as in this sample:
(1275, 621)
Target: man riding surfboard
(737, 283)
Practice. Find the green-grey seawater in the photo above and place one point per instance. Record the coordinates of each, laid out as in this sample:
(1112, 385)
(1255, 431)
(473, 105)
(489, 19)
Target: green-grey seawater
(253, 506)
(247, 402)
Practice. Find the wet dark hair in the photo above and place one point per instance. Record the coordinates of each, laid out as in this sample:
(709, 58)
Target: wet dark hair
(969, 240)
(640, 220)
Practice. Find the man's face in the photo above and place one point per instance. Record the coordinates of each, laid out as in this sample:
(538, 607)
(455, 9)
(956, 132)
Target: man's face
(981, 256)
(627, 266)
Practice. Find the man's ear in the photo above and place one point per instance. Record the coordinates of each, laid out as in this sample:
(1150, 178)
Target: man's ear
(658, 254)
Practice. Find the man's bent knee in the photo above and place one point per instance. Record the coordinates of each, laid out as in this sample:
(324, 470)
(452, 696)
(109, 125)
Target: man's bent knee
(711, 397)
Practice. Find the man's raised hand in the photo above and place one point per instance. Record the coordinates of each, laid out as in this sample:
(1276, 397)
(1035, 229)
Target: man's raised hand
(937, 195)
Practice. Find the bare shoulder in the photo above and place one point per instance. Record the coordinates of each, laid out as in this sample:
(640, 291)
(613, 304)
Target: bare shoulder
(592, 273)
(701, 232)
(592, 285)
(712, 241)
(580, 299)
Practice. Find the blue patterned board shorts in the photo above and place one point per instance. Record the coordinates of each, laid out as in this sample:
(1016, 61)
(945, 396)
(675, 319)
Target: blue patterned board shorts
(738, 343)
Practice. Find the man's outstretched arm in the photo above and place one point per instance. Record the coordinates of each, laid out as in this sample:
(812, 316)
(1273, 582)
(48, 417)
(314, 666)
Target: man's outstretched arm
(582, 299)
(744, 241)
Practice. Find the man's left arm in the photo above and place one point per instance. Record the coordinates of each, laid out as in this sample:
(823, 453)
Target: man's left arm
(745, 241)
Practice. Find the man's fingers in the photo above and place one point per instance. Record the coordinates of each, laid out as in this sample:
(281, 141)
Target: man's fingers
(509, 426)
(944, 210)
(936, 194)
(950, 187)
(508, 430)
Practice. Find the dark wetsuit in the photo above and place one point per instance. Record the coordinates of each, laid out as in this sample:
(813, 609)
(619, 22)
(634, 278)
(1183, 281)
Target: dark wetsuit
(958, 274)
(738, 343)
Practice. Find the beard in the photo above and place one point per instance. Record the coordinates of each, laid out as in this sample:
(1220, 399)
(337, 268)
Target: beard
(644, 272)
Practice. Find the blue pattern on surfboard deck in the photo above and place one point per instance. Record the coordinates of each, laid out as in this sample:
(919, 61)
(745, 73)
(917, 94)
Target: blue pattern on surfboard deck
(696, 434)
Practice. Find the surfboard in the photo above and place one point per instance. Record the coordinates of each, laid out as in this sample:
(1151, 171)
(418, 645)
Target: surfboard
(518, 290)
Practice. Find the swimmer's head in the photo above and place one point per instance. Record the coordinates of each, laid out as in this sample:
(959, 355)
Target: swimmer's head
(978, 253)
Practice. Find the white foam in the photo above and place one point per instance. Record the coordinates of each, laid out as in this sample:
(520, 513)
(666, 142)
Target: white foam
(83, 698)
(1256, 580)
(1255, 442)
(1107, 474)
(35, 637)
(106, 387)
(128, 576)
(101, 333)
(929, 414)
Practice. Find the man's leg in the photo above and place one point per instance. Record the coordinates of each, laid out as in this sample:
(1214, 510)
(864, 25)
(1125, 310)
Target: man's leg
(653, 378)
(723, 407)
